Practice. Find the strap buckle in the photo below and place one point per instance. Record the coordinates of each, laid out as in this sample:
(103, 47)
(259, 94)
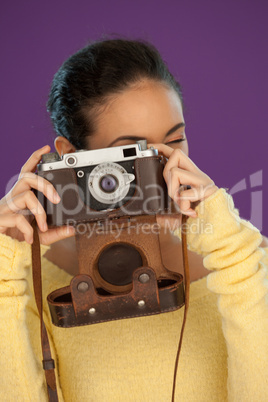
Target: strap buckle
(48, 364)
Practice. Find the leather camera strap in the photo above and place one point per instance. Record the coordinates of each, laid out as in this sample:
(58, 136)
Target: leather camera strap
(48, 362)
(187, 296)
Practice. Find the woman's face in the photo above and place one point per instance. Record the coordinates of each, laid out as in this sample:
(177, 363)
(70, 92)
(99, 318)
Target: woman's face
(148, 111)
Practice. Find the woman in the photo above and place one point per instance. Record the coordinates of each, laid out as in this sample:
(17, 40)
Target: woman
(112, 93)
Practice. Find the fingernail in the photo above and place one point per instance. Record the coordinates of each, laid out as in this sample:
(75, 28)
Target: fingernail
(56, 197)
(193, 214)
(42, 149)
(44, 227)
(70, 230)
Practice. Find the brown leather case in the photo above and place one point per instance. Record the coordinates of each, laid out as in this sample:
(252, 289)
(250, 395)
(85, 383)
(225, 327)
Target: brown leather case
(119, 277)
(80, 304)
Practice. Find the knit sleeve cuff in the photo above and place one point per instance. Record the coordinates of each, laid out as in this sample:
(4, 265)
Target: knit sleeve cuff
(217, 222)
(15, 257)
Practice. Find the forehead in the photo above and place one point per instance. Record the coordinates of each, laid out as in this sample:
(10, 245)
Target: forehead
(147, 110)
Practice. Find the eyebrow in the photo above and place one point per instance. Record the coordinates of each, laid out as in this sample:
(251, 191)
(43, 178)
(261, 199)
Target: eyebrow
(134, 137)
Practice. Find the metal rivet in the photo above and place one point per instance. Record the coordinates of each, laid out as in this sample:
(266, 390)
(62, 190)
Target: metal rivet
(144, 278)
(82, 287)
(92, 310)
(141, 303)
(50, 176)
(80, 173)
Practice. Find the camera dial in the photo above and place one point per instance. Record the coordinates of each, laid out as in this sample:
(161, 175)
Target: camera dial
(109, 182)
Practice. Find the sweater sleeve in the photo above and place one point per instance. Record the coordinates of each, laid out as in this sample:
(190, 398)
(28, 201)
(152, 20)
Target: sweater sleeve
(21, 374)
(230, 247)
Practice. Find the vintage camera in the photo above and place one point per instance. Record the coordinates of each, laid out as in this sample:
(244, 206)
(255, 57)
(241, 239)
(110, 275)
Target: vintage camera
(104, 183)
(114, 194)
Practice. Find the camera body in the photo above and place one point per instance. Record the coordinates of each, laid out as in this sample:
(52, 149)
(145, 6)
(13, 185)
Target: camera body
(104, 183)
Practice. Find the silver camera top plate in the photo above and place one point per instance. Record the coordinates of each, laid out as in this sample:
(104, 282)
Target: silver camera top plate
(93, 157)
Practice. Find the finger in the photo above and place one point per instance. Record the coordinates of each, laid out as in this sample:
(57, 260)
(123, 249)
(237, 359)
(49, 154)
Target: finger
(30, 180)
(191, 194)
(180, 205)
(162, 149)
(56, 234)
(183, 198)
(27, 201)
(189, 212)
(32, 162)
(195, 194)
(179, 159)
(176, 177)
(18, 221)
(184, 207)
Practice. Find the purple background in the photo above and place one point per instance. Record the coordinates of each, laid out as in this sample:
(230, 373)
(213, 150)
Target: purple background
(217, 49)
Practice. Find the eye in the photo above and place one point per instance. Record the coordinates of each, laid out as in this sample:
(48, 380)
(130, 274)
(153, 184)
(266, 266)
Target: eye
(175, 141)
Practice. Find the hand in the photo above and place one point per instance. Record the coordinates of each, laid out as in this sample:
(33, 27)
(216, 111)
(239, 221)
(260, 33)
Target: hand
(180, 172)
(19, 207)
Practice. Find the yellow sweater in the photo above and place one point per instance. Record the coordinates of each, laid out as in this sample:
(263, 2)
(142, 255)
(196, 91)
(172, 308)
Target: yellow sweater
(225, 349)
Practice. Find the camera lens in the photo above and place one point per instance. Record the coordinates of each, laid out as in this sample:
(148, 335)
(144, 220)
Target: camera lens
(108, 183)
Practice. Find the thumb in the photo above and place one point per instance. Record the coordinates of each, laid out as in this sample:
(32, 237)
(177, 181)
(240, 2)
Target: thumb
(56, 234)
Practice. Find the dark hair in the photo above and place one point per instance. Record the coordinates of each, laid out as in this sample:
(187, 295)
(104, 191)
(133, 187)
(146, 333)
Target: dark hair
(90, 76)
